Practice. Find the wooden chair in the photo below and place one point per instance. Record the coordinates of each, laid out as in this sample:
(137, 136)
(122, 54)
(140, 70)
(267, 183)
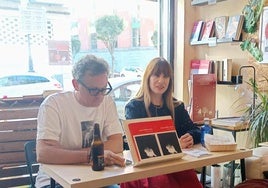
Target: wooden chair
(17, 126)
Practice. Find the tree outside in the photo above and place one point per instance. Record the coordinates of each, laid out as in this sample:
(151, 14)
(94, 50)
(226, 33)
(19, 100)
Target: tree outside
(108, 28)
(154, 38)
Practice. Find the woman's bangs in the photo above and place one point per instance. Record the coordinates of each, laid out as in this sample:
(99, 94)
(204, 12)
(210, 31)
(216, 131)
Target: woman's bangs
(161, 67)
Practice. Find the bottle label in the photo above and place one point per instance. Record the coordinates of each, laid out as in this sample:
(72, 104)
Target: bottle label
(100, 160)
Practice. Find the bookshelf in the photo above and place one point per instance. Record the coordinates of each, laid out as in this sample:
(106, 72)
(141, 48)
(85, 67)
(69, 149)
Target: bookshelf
(218, 49)
(229, 29)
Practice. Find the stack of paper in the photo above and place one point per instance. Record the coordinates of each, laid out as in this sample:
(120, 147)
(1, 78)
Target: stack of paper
(230, 121)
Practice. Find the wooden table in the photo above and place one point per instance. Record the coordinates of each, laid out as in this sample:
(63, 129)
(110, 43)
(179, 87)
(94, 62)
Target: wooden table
(233, 125)
(81, 176)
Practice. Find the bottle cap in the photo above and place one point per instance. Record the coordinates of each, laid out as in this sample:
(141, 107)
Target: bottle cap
(206, 120)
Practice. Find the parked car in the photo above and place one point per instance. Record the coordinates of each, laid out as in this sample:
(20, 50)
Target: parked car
(131, 72)
(123, 90)
(16, 86)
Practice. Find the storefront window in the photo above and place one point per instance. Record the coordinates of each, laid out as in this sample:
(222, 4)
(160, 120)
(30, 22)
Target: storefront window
(48, 37)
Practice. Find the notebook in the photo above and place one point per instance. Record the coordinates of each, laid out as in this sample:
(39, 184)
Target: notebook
(152, 140)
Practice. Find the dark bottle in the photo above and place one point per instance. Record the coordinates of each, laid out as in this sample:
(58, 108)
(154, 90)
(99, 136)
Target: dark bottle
(205, 129)
(97, 150)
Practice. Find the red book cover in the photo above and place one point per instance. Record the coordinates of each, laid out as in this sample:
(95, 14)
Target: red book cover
(200, 66)
(203, 96)
(152, 139)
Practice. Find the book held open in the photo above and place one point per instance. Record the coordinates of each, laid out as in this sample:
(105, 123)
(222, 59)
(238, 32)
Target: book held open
(152, 139)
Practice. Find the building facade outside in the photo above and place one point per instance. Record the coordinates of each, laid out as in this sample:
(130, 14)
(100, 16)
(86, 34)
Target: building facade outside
(50, 50)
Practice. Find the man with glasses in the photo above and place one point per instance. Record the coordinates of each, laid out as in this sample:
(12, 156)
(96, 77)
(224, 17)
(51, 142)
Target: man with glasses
(64, 120)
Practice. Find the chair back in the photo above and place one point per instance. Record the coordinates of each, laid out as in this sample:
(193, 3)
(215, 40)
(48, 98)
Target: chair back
(30, 155)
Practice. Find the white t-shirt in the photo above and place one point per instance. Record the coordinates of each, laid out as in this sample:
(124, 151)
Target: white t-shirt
(60, 117)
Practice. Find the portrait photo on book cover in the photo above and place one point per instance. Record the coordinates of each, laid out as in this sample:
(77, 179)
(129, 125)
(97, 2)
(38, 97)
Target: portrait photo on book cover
(147, 146)
(169, 143)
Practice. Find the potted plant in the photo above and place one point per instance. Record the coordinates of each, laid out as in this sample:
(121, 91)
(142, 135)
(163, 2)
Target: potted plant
(258, 117)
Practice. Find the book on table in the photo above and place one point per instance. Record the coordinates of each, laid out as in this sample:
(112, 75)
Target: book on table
(234, 27)
(152, 139)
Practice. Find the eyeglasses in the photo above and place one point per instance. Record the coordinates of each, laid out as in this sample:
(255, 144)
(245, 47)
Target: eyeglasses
(96, 91)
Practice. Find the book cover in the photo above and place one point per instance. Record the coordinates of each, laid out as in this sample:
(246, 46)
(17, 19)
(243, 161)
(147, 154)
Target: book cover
(208, 30)
(152, 139)
(200, 66)
(196, 31)
(220, 26)
(227, 69)
(234, 27)
(203, 97)
(219, 70)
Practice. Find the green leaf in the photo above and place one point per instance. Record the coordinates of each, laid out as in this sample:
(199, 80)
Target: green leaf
(252, 12)
(253, 49)
(258, 118)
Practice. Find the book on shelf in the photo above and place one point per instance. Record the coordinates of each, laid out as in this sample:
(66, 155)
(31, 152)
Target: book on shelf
(152, 139)
(201, 66)
(197, 31)
(227, 69)
(234, 27)
(208, 30)
(220, 26)
(224, 69)
(219, 70)
(203, 97)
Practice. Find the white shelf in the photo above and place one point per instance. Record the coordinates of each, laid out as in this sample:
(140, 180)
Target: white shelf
(213, 41)
(204, 2)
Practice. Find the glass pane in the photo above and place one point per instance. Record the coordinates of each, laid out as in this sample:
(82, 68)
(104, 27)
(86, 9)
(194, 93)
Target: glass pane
(48, 37)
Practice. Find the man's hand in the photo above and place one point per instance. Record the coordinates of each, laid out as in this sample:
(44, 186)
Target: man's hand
(110, 158)
(186, 141)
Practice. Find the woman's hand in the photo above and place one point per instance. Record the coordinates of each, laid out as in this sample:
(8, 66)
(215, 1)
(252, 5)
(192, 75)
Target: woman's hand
(186, 141)
(110, 158)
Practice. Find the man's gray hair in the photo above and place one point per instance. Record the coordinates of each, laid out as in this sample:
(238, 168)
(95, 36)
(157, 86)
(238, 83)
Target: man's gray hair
(90, 64)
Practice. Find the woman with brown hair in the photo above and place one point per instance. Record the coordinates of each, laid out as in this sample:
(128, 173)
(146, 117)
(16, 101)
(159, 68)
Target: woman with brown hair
(155, 98)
